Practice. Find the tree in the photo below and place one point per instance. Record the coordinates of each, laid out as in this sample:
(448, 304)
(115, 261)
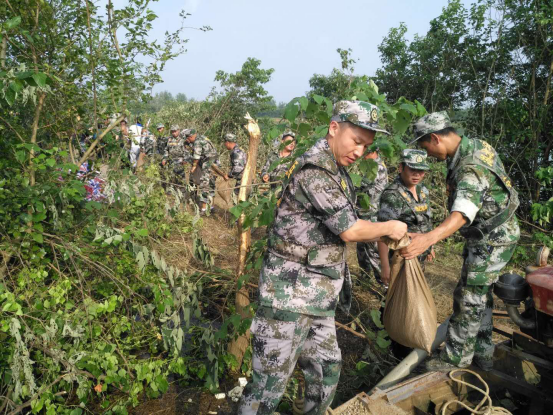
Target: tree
(240, 93)
(335, 85)
(490, 65)
(181, 97)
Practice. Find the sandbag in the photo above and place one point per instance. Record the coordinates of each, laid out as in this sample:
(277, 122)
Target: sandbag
(410, 314)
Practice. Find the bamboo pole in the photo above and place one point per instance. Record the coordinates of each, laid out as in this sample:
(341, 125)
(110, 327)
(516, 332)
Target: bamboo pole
(239, 345)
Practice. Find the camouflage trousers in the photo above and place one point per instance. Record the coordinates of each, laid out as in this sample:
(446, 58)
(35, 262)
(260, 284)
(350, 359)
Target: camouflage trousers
(469, 334)
(206, 185)
(279, 340)
(369, 259)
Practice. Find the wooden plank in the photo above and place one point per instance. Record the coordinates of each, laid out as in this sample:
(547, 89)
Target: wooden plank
(500, 314)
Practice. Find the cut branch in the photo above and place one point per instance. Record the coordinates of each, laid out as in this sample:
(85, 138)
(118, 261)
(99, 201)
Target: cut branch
(100, 137)
(240, 344)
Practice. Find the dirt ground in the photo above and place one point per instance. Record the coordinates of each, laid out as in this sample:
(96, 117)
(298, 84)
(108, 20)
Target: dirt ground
(221, 237)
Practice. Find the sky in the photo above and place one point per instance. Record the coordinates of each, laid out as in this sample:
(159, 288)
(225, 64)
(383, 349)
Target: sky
(297, 38)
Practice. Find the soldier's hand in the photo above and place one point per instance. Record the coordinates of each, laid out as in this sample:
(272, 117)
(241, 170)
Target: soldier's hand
(265, 178)
(163, 162)
(397, 229)
(419, 243)
(385, 275)
(431, 256)
(226, 178)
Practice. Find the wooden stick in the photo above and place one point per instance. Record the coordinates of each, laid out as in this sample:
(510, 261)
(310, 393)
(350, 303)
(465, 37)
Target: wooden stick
(238, 346)
(361, 335)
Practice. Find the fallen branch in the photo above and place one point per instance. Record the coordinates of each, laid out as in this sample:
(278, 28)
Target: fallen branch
(349, 329)
(100, 137)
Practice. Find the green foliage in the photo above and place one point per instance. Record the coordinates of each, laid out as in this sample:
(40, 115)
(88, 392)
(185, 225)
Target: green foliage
(489, 65)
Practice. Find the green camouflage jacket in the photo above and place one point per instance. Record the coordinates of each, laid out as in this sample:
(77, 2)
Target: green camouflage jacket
(238, 159)
(480, 189)
(373, 189)
(273, 168)
(398, 203)
(204, 150)
(177, 151)
(147, 144)
(161, 144)
(305, 266)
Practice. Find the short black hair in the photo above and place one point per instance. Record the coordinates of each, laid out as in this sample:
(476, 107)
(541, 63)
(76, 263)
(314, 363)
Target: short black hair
(444, 131)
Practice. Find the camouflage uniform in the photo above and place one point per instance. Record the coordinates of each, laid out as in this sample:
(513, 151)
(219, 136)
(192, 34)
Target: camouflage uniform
(238, 159)
(276, 166)
(177, 153)
(205, 152)
(481, 191)
(161, 141)
(398, 203)
(367, 252)
(274, 169)
(147, 144)
(304, 274)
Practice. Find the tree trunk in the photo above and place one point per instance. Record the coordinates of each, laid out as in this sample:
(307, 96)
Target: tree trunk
(238, 346)
(38, 110)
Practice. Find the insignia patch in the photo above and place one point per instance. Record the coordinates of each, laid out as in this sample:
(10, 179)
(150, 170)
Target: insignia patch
(507, 182)
(419, 159)
(421, 208)
(344, 184)
(374, 115)
(291, 169)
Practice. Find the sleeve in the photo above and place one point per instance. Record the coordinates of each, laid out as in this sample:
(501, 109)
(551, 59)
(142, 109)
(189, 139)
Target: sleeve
(469, 192)
(238, 163)
(198, 150)
(382, 178)
(390, 206)
(327, 198)
(428, 227)
(265, 169)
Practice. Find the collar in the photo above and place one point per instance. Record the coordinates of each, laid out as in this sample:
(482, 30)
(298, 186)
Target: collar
(403, 187)
(459, 153)
(321, 155)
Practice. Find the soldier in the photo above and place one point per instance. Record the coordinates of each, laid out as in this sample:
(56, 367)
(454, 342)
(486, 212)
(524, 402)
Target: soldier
(161, 139)
(304, 270)
(238, 159)
(482, 203)
(368, 253)
(176, 154)
(407, 200)
(272, 171)
(204, 156)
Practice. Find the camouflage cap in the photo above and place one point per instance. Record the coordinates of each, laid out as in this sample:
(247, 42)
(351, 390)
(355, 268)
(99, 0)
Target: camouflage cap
(416, 159)
(231, 138)
(430, 123)
(175, 127)
(287, 134)
(360, 113)
(188, 132)
(160, 125)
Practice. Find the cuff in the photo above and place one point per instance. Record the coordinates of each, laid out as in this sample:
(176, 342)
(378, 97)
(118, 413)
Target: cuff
(466, 208)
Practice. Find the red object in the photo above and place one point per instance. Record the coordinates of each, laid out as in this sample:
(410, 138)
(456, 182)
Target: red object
(541, 282)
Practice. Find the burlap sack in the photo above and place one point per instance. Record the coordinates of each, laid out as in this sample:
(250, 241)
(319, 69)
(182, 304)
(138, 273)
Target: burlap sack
(410, 313)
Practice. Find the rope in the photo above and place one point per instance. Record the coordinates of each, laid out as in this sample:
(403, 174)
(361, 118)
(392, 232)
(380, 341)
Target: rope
(480, 409)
